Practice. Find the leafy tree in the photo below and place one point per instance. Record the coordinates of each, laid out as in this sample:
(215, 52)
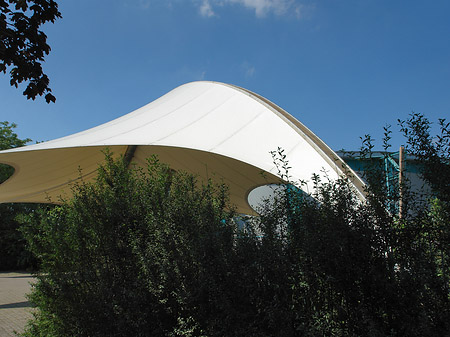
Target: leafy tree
(9, 140)
(23, 45)
(359, 269)
(154, 253)
(433, 153)
(117, 257)
(12, 244)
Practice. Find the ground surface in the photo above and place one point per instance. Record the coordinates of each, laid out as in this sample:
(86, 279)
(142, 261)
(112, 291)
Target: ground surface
(15, 310)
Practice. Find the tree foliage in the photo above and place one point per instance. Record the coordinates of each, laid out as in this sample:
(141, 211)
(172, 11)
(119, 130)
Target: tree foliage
(432, 152)
(137, 253)
(157, 253)
(23, 45)
(357, 269)
(13, 254)
(9, 140)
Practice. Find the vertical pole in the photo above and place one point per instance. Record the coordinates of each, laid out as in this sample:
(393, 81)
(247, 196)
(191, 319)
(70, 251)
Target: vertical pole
(400, 180)
(128, 156)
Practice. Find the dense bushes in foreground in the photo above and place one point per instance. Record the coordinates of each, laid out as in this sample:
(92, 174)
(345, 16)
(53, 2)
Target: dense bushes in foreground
(154, 253)
(13, 255)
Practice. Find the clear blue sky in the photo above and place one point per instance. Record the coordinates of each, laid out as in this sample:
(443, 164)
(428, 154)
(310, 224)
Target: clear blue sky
(344, 68)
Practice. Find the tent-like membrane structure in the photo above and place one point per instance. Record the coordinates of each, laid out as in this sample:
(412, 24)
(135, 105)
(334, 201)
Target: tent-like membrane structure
(212, 129)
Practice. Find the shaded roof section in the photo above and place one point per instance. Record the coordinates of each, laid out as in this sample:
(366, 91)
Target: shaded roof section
(212, 129)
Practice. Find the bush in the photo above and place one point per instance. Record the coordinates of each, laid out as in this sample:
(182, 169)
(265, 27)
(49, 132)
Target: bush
(13, 253)
(355, 269)
(136, 253)
(156, 253)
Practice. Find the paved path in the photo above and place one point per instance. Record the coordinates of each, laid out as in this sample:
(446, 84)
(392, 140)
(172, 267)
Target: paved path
(14, 307)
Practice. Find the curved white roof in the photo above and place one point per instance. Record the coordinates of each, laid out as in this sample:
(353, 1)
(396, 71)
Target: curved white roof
(215, 130)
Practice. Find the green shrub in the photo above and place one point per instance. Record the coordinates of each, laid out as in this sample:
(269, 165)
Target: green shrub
(13, 254)
(156, 253)
(122, 256)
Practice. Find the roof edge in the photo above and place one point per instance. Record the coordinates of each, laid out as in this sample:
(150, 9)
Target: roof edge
(324, 150)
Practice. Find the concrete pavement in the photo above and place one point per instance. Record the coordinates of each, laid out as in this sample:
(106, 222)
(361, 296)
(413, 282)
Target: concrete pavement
(15, 310)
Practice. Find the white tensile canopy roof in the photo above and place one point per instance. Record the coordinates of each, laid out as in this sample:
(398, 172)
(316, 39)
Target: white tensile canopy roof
(214, 130)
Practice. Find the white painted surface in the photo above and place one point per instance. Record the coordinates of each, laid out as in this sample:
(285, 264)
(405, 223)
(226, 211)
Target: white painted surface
(208, 120)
